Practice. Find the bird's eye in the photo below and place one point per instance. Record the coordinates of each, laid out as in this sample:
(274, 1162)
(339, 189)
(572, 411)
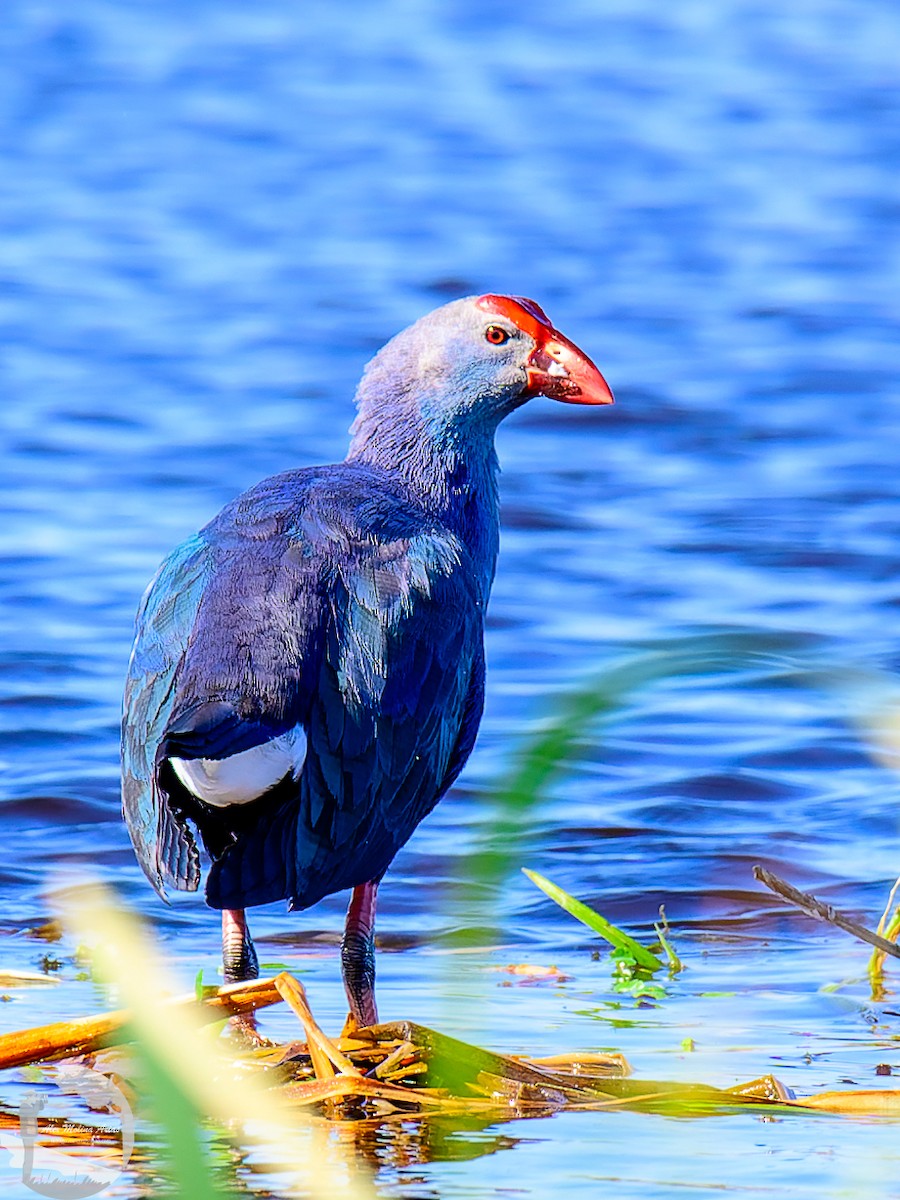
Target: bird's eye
(496, 335)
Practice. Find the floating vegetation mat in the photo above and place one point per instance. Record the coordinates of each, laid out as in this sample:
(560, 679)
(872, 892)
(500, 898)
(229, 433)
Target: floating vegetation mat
(404, 1068)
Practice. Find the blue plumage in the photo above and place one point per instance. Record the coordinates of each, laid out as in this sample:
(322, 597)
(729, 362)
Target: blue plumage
(322, 598)
(308, 671)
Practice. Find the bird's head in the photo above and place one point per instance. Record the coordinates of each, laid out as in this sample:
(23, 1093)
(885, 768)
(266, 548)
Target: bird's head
(533, 358)
(463, 367)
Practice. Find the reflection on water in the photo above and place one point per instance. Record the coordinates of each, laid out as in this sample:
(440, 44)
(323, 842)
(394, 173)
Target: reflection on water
(210, 221)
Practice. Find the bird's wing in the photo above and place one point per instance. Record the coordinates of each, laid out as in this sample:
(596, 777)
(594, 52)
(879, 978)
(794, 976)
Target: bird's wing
(394, 706)
(165, 619)
(221, 665)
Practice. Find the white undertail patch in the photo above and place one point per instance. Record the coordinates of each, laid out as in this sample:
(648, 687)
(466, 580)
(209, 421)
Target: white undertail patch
(243, 777)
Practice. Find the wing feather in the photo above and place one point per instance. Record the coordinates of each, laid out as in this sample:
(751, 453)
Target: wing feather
(164, 846)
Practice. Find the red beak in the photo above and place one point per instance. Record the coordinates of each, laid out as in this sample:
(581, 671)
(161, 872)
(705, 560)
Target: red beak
(558, 369)
(555, 367)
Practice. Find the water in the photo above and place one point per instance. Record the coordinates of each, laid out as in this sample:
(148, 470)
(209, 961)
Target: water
(211, 219)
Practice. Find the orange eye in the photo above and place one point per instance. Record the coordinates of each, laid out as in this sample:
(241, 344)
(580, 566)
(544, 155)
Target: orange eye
(496, 335)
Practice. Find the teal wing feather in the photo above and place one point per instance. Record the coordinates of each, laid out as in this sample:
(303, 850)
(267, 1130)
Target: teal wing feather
(165, 620)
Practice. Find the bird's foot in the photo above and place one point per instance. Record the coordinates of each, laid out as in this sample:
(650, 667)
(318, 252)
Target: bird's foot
(244, 1032)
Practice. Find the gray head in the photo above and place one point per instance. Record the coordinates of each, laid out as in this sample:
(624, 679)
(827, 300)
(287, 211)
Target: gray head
(455, 373)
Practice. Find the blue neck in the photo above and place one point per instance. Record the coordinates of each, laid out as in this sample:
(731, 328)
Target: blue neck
(451, 475)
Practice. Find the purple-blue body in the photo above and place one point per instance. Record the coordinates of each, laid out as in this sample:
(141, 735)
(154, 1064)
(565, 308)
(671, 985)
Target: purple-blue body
(308, 671)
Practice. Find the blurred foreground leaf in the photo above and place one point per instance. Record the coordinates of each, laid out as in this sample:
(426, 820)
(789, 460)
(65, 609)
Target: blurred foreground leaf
(559, 741)
(189, 1075)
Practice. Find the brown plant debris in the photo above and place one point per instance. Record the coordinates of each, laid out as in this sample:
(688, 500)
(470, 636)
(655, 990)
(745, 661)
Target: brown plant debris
(403, 1068)
(85, 1035)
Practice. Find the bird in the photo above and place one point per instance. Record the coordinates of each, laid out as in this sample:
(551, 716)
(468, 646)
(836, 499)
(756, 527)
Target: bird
(307, 676)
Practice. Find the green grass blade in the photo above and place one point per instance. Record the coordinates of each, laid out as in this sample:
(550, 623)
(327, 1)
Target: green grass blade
(593, 920)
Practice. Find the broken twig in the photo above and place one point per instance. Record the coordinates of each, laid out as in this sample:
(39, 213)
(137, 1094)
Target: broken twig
(824, 912)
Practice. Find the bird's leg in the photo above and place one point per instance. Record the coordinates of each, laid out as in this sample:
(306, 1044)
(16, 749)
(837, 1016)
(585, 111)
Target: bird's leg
(239, 962)
(358, 954)
(238, 954)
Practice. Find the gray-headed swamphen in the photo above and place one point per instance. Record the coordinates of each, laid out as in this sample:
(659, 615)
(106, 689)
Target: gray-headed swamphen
(307, 676)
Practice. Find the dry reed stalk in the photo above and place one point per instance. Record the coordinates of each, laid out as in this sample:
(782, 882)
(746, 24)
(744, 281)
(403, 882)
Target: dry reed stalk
(84, 1035)
(322, 1050)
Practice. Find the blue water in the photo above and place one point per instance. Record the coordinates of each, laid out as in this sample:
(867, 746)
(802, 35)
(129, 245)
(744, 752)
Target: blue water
(212, 215)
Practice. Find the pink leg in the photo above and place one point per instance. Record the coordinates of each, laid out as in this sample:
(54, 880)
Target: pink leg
(238, 955)
(239, 963)
(358, 954)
